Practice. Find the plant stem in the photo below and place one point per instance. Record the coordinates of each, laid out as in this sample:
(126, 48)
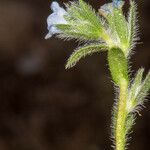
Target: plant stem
(121, 117)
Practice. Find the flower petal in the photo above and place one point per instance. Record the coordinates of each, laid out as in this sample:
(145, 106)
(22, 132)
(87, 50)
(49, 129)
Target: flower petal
(108, 8)
(55, 6)
(57, 17)
(52, 30)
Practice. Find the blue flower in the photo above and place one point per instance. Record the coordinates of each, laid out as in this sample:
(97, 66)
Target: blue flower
(116, 3)
(108, 8)
(57, 17)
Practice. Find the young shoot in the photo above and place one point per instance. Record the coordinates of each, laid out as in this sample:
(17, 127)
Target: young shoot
(106, 30)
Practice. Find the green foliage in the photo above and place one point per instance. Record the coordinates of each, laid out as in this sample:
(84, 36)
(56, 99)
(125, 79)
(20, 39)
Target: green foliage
(132, 26)
(118, 68)
(144, 88)
(134, 90)
(111, 28)
(121, 28)
(113, 32)
(130, 120)
(135, 98)
(83, 23)
(114, 119)
(138, 91)
(83, 51)
(117, 24)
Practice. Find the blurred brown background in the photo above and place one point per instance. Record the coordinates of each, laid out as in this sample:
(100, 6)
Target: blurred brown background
(45, 107)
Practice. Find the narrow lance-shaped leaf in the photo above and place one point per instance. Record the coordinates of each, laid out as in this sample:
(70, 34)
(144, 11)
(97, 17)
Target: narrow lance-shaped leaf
(134, 90)
(129, 122)
(117, 23)
(138, 91)
(81, 32)
(82, 23)
(121, 27)
(132, 25)
(89, 14)
(145, 87)
(84, 51)
(114, 119)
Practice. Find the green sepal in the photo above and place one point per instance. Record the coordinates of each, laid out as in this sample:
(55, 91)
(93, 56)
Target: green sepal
(117, 65)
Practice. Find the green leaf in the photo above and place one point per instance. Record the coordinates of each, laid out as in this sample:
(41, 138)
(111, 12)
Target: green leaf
(145, 87)
(114, 119)
(84, 51)
(83, 23)
(81, 32)
(88, 13)
(135, 87)
(117, 65)
(121, 27)
(117, 24)
(130, 120)
(138, 91)
(132, 25)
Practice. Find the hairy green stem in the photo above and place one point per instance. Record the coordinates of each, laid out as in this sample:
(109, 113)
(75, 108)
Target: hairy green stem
(119, 72)
(120, 138)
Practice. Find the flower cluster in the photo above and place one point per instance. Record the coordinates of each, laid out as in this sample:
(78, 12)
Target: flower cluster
(79, 21)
